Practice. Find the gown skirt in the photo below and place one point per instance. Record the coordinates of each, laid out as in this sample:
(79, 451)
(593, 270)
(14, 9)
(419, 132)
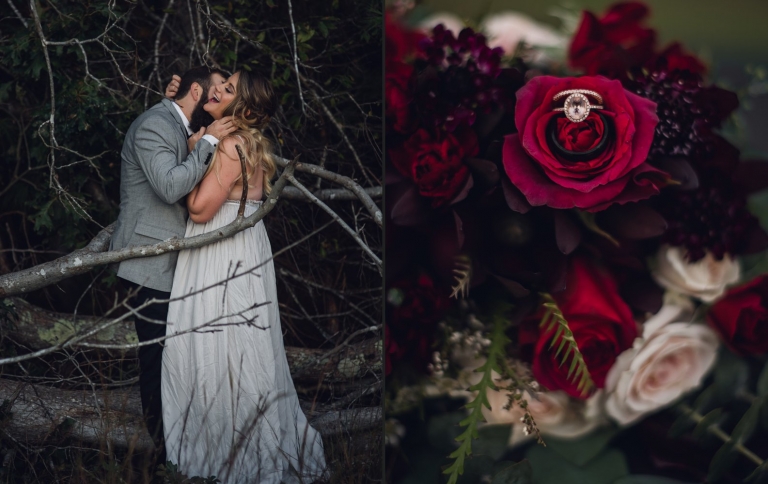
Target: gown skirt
(230, 408)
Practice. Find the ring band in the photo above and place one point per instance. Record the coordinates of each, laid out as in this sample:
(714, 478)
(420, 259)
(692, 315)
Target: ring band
(578, 91)
(576, 156)
(591, 106)
(577, 106)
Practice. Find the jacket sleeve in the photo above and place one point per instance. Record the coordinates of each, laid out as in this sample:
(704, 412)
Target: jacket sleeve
(157, 158)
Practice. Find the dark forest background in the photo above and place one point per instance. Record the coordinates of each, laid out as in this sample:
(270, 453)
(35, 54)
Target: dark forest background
(74, 75)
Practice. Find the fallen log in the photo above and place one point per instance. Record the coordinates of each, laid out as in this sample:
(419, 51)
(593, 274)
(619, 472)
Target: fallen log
(36, 328)
(39, 415)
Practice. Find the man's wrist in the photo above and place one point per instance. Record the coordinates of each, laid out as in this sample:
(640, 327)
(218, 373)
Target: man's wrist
(211, 139)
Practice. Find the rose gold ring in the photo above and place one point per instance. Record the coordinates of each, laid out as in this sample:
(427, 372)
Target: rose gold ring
(577, 106)
(578, 91)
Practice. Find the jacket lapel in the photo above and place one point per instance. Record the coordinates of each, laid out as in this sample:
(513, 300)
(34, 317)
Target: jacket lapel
(169, 106)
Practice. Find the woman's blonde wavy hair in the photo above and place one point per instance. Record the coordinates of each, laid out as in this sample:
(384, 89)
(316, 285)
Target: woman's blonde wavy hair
(251, 109)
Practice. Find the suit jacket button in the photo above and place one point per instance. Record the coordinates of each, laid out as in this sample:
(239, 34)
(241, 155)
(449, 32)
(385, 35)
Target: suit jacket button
(208, 159)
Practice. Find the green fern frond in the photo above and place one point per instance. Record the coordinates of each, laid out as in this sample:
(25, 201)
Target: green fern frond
(496, 354)
(566, 344)
(462, 274)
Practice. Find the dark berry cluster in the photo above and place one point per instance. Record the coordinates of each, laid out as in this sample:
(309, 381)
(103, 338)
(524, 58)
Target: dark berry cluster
(459, 79)
(713, 217)
(688, 112)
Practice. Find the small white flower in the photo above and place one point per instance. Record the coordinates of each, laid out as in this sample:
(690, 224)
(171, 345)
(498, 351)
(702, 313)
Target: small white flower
(555, 414)
(705, 279)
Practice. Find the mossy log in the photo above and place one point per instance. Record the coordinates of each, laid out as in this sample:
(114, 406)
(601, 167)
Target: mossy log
(35, 328)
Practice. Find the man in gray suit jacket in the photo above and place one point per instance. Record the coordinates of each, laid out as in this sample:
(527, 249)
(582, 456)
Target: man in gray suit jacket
(158, 170)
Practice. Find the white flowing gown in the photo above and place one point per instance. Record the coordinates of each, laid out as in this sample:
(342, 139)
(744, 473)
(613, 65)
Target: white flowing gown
(230, 408)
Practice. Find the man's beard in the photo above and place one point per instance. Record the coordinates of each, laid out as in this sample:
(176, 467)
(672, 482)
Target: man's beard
(200, 116)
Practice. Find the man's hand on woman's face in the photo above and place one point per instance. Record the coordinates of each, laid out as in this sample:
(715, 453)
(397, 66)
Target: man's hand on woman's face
(220, 128)
(173, 87)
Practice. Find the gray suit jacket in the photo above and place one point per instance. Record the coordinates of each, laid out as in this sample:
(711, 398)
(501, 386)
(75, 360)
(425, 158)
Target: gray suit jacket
(156, 174)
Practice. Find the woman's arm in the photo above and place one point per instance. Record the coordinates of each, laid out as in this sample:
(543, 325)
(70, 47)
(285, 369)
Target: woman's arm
(205, 200)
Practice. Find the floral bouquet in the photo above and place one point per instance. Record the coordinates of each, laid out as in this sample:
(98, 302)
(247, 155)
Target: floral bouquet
(571, 261)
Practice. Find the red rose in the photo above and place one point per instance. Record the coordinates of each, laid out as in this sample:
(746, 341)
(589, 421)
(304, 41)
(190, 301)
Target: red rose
(435, 162)
(741, 317)
(617, 174)
(614, 44)
(601, 323)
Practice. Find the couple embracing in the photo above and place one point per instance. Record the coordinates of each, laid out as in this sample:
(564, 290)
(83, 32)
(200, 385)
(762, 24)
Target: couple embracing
(220, 402)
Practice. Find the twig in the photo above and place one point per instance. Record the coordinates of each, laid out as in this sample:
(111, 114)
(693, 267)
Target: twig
(342, 180)
(18, 14)
(715, 430)
(338, 219)
(296, 57)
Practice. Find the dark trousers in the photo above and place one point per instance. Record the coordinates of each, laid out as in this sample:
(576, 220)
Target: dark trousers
(151, 362)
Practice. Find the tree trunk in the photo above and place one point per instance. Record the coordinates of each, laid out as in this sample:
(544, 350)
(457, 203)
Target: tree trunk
(36, 414)
(36, 328)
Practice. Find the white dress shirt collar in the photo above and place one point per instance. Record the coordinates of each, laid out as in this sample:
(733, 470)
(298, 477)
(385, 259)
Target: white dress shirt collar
(183, 117)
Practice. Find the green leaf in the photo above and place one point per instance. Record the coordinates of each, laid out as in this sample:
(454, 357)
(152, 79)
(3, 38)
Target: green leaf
(519, 473)
(748, 422)
(702, 427)
(581, 451)
(550, 468)
(493, 440)
(645, 479)
(731, 375)
(554, 319)
(443, 429)
(762, 381)
(262, 35)
(721, 462)
(681, 426)
(588, 219)
(323, 29)
(758, 473)
(496, 353)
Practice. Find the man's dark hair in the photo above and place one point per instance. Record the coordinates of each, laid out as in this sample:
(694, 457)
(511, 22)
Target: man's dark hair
(201, 75)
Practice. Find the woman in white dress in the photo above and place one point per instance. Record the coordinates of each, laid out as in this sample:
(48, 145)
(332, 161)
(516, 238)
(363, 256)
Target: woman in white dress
(230, 408)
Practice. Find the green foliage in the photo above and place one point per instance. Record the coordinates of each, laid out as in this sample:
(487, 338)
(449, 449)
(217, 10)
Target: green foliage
(553, 319)
(551, 468)
(517, 473)
(496, 353)
(580, 451)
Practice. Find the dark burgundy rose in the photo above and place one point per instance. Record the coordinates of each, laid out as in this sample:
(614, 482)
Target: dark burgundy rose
(398, 92)
(614, 44)
(617, 174)
(601, 323)
(741, 317)
(675, 58)
(435, 162)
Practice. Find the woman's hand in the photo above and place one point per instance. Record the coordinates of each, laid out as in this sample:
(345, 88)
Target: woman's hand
(192, 140)
(173, 87)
